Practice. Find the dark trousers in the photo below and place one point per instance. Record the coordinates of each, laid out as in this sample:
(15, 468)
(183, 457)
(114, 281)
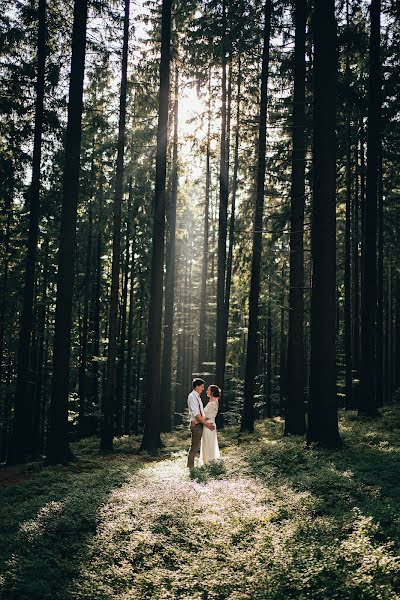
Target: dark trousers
(197, 432)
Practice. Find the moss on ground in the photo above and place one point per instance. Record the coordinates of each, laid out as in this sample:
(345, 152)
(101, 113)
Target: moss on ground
(272, 521)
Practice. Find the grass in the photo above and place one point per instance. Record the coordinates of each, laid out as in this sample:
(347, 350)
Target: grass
(271, 521)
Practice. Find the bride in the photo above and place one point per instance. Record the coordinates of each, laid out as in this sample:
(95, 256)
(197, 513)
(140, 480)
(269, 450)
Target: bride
(209, 449)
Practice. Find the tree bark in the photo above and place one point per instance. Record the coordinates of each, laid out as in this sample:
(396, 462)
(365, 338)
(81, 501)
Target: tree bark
(247, 423)
(151, 437)
(41, 328)
(388, 334)
(129, 356)
(119, 404)
(58, 450)
(4, 297)
(6, 425)
(138, 404)
(179, 389)
(22, 430)
(282, 347)
(222, 231)
(268, 398)
(397, 333)
(203, 300)
(368, 401)
(295, 422)
(362, 206)
(229, 264)
(185, 327)
(85, 326)
(107, 432)
(170, 275)
(213, 279)
(97, 298)
(356, 279)
(347, 241)
(380, 299)
(129, 381)
(323, 421)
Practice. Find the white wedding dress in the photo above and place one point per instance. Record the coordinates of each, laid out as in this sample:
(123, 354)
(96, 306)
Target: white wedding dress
(209, 449)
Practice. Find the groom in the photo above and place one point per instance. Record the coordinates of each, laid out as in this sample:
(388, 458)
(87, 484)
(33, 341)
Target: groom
(197, 419)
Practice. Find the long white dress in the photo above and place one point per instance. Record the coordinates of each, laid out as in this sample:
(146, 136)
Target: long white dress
(209, 449)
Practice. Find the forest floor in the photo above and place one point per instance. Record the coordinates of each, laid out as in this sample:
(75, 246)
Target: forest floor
(271, 521)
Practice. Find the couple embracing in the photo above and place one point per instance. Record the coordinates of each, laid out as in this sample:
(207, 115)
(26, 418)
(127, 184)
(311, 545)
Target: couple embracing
(202, 423)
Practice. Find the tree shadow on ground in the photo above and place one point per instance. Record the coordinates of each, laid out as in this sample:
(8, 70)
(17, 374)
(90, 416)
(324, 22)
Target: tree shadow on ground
(363, 474)
(47, 521)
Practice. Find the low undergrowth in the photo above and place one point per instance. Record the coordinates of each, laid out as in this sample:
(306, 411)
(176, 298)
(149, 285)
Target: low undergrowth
(271, 521)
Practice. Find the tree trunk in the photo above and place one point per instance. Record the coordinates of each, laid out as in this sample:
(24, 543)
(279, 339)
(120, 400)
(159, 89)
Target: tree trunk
(107, 432)
(397, 333)
(85, 326)
(362, 204)
(129, 356)
(97, 299)
(263, 356)
(323, 421)
(247, 423)
(41, 327)
(170, 276)
(229, 264)
(282, 347)
(379, 316)
(347, 242)
(44, 413)
(189, 326)
(185, 327)
(179, 336)
(6, 425)
(388, 335)
(152, 427)
(268, 399)
(213, 279)
(4, 395)
(295, 422)
(58, 450)
(222, 232)
(368, 402)
(124, 313)
(132, 308)
(138, 404)
(22, 430)
(203, 300)
(356, 280)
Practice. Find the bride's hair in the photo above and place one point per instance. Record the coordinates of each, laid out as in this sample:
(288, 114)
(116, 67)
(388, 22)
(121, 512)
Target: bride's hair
(215, 391)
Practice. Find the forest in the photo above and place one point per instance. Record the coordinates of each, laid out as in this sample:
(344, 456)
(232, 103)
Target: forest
(199, 189)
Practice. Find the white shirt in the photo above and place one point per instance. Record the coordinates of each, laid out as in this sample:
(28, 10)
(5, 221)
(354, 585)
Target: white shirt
(195, 405)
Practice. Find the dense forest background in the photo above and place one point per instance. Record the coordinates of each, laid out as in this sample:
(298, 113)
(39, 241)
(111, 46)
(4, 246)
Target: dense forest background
(269, 137)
